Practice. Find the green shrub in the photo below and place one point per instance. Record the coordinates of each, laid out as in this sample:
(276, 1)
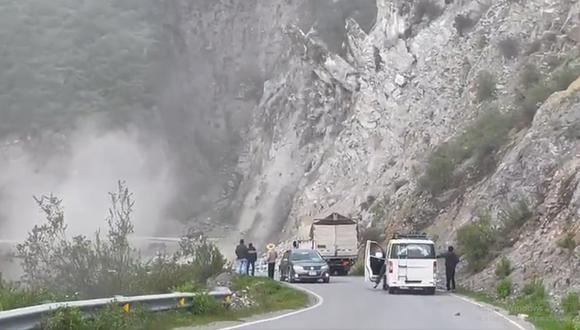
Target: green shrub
(486, 86)
(530, 76)
(536, 94)
(204, 304)
(567, 242)
(561, 79)
(503, 288)
(438, 176)
(571, 304)
(65, 319)
(514, 217)
(475, 241)
(480, 141)
(426, 8)
(463, 23)
(509, 48)
(503, 268)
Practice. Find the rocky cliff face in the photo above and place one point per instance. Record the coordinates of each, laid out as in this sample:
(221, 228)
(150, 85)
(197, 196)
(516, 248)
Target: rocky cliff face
(353, 130)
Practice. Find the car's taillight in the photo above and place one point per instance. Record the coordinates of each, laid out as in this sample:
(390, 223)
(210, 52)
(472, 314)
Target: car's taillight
(434, 267)
(390, 266)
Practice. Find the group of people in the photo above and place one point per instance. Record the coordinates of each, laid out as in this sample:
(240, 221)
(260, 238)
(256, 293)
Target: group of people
(248, 255)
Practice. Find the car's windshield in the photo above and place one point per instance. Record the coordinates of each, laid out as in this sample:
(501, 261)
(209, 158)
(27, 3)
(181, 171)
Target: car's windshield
(413, 251)
(306, 255)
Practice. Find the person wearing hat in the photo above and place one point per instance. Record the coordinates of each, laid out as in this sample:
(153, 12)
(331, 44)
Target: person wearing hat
(271, 258)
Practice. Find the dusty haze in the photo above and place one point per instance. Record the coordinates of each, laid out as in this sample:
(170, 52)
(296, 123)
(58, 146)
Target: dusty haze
(82, 176)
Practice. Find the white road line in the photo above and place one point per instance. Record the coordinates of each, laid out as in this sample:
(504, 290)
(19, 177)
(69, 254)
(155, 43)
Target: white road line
(319, 299)
(514, 323)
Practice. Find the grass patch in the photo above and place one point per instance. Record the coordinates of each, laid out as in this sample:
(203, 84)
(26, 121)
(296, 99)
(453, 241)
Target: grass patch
(270, 296)
(533, 301)
(504, 288)
(571, 304)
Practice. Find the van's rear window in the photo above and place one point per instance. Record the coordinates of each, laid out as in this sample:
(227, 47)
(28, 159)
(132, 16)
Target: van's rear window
(413, 251)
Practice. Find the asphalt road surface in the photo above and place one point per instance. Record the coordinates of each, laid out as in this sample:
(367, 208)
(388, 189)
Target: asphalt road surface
(350, 303)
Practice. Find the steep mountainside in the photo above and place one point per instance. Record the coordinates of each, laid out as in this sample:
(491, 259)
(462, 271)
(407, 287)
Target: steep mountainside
(430, 121)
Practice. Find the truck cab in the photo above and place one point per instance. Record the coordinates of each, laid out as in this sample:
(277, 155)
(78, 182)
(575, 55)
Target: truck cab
(411, 263)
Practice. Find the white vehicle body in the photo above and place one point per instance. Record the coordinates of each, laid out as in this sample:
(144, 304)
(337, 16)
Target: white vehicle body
(336, 239)
(410, 264)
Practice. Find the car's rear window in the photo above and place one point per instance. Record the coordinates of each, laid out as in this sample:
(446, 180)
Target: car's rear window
(413, 251)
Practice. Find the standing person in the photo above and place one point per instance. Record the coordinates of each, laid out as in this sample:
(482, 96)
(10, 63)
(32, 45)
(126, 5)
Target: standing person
(242, 255)
(451, 261)
(252, 257)
(271, 258)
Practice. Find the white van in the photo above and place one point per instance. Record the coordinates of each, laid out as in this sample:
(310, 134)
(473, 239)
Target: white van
(411, 263)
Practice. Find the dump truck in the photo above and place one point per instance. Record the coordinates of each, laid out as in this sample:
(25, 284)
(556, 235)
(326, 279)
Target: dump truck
(336, 239)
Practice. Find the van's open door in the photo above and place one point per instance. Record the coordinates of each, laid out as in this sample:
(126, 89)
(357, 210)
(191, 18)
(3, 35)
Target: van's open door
(374, 260)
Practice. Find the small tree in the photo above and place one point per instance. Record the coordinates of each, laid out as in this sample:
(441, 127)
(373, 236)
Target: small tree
(475, 241)
(503, 268)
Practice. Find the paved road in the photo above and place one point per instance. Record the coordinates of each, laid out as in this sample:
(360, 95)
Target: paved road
(350, 303)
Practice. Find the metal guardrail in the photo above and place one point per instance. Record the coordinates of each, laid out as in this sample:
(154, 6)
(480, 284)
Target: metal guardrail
(30, 317)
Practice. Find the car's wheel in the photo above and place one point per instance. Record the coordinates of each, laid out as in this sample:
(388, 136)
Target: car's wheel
(326, 280)
(392, 290)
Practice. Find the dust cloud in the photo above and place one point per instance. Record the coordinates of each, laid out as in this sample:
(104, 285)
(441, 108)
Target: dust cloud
(83, 175)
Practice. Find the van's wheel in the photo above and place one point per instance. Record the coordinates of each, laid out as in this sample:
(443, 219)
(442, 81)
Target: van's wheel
(392, 290)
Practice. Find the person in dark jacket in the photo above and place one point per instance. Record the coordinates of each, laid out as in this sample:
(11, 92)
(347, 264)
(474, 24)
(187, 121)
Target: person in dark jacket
(242, 256)
(451, 261)
(252, 257)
